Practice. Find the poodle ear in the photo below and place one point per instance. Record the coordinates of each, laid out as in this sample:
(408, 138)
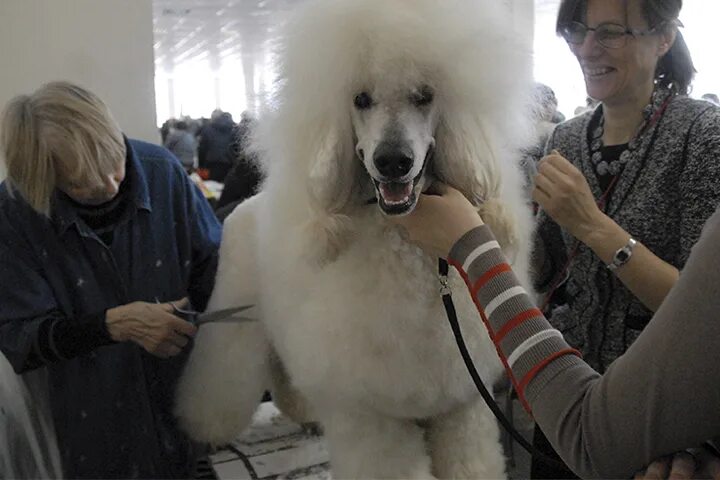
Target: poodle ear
(465, 158)
(333, 185)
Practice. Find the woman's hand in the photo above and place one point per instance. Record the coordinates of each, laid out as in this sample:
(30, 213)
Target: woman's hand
(152, 326)
(685, 465)
(563, 192)
(441, 217)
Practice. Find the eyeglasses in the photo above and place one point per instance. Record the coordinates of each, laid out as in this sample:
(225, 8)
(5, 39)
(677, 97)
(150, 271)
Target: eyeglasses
(609, 35)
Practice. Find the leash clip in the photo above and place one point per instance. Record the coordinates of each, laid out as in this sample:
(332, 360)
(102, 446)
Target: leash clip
(444, 285)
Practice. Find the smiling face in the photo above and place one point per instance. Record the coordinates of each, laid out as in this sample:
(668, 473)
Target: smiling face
(615, 76)
(395, 140)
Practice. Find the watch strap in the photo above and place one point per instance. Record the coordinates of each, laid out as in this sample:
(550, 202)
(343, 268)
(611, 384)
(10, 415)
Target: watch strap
(622, 255)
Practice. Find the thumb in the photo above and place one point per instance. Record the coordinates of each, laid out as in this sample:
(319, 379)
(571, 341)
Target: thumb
(182, 303)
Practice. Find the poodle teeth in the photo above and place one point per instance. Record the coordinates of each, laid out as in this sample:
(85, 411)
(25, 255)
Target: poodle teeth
(396, 193)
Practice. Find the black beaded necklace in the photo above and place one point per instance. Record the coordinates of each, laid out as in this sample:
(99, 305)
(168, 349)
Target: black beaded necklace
(651, 114)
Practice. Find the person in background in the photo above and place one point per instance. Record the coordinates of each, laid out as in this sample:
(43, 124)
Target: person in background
(545, 115)
(590, 104)
(712, 98)
(245, 177)
(659, 397)
(215, 152)
(624, 189)
(100, 237)
(181, 142)
(165, 129)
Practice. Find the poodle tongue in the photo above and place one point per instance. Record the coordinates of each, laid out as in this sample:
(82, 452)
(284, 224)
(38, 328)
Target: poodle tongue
(396, 193)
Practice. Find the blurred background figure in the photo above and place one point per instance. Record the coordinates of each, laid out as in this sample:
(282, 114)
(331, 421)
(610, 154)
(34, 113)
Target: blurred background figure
(181, 142)
(215, 150)
(590, 104)
(712, 98)
(245, 177)
(546, 116)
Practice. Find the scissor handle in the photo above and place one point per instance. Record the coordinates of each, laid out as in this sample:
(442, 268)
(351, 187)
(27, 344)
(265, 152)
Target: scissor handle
(187, 315)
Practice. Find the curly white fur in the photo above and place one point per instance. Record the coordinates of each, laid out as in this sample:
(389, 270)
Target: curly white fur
(352, 309)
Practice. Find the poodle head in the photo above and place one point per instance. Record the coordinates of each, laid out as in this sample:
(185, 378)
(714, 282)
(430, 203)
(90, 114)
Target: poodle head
(394, 127)
(377, 98)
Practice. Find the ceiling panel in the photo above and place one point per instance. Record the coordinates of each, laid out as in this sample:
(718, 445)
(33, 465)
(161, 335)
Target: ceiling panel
(213, 29)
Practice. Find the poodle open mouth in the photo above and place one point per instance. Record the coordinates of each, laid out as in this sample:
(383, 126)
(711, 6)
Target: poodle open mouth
(398, 197)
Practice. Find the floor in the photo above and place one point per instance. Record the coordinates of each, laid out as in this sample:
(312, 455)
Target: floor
(274, 448)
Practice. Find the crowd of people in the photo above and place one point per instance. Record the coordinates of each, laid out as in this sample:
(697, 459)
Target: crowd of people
(103, 238)
(216, 150)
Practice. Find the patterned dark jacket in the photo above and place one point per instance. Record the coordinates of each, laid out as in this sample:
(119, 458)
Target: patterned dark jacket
(111, 407)
(662, 198)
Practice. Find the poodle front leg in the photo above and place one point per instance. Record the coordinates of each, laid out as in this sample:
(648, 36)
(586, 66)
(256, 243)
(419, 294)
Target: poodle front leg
(465, 443)
(223, 382)
(366, 445)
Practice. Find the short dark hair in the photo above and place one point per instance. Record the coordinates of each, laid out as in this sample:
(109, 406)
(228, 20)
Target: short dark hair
(675, 69)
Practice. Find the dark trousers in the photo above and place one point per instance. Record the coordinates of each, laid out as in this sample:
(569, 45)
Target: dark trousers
(538, 469)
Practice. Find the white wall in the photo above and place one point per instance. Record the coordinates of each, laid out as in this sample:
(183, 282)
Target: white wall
(103, 45)
(523, 15)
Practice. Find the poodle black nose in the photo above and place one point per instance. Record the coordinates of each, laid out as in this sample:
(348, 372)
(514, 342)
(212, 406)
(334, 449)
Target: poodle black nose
(392, 163)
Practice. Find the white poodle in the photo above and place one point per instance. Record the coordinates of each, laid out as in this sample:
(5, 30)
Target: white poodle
(376, 98)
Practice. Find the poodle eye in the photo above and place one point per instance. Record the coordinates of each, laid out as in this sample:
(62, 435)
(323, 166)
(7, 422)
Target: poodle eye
(363, 101)
(422, 97)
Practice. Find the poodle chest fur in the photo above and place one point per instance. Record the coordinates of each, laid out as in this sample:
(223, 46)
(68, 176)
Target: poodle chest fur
(369, 330)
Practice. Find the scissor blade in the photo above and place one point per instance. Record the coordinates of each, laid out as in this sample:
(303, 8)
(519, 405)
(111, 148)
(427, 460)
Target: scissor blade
(221, 315)
(230, 319)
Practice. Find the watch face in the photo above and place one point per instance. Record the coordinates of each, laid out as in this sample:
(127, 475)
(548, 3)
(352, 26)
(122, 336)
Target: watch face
(622, 256)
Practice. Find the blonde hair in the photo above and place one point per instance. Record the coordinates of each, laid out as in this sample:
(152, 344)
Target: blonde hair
(60, 123)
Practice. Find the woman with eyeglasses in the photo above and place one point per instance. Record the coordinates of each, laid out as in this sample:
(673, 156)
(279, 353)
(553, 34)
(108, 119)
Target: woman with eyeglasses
(627, 187)
(624, 193)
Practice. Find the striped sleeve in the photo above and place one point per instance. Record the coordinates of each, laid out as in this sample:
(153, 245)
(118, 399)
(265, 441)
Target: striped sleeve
(532, 351)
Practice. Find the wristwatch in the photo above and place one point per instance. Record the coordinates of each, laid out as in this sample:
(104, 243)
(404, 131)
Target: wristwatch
(622, 255)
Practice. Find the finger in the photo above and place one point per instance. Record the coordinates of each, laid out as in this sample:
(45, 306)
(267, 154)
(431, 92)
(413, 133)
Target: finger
(710, 464)
(540, 196)
(181, 303)
(173, 350)
(658, 470)
(166, 307)
(551, 171)
(562, 164)
(640, 475)
(544, 184)
(168, 350)
(683, 466)
(553, 153)
(178, 340)
(181, 326)
(712, 468)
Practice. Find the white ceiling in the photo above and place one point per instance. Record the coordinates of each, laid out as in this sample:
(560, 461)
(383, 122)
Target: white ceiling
(213, 29)
(216, 29)
(196, 39)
